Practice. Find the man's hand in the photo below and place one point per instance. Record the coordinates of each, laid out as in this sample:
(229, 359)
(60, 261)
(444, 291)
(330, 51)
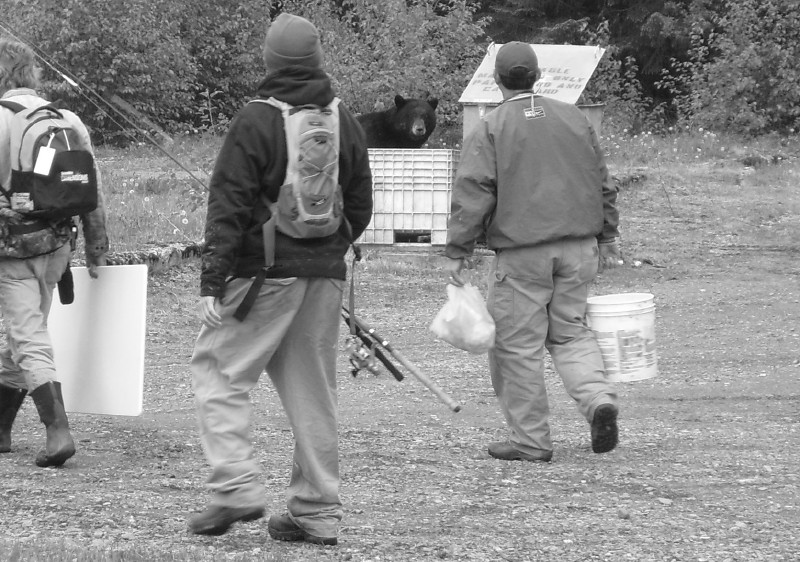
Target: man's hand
(609, 254)
(453, 269)
(208, 312)
(93, 262)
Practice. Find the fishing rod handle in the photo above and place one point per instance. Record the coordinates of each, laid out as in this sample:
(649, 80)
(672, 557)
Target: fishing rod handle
(424, 379)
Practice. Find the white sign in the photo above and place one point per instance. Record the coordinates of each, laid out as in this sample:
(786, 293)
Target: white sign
(566, 70)
(98, 341)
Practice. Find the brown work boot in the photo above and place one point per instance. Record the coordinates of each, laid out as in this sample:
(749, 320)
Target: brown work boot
(217, 519)
(605, 433)
(283, 528)
(505, 451)
(59, 446)
(10, 401)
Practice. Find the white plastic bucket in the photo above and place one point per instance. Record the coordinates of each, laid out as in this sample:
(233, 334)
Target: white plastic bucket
(624, 325)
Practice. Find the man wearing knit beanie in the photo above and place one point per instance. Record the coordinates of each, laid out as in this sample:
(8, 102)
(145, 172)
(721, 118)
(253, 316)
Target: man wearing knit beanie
(292, 327)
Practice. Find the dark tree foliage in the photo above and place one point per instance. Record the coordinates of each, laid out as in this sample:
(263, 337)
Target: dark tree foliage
(649, 33)
(189, 65)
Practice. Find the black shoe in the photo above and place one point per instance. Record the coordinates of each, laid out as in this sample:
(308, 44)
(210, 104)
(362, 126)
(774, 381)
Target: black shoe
(282, 528)
(605, 434)
(217, 519)
(505, 451)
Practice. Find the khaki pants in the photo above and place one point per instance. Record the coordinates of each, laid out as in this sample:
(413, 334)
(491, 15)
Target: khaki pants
(292, 330)
(537, 297)
(26, 293)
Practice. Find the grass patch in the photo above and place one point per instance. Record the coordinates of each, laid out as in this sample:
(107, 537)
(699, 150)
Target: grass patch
(153, 200)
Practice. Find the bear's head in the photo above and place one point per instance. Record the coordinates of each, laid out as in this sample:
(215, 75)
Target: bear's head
(414, 119)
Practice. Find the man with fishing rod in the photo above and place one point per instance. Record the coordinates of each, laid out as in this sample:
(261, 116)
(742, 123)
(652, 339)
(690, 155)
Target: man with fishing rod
(271, 297)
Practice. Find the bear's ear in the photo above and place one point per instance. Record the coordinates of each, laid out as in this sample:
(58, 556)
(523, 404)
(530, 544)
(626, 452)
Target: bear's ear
(399, 101)
(433, 102)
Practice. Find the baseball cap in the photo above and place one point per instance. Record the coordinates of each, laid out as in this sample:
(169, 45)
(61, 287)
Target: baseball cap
(516, 58)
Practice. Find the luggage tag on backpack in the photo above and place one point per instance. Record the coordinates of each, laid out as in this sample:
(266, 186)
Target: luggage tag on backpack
(44, 161)
(21, 201)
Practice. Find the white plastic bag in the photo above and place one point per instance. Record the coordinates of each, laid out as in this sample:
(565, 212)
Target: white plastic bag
(464, 321)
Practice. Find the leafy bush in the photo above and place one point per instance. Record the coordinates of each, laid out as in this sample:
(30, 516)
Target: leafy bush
(743, 75)
(223, 39)
(189, 65)
(614, 82)
(126, 49)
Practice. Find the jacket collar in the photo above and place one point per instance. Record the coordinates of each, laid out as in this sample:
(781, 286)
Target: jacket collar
(19, 92)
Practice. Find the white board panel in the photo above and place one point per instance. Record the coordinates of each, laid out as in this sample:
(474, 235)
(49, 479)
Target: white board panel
(99, 341)
(566, 70)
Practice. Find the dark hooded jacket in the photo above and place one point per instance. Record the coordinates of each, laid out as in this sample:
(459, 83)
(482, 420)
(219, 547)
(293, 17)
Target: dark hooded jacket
(252, 163)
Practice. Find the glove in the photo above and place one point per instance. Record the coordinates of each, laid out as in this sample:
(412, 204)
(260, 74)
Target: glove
(609, 254)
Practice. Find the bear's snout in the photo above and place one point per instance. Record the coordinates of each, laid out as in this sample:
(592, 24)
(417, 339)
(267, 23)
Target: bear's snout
(418, 128)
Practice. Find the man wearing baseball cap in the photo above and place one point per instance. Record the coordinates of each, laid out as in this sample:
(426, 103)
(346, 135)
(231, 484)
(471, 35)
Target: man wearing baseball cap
(532, 179)
(291, 327)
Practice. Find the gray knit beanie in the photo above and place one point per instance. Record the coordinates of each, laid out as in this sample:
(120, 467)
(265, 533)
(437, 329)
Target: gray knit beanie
(292, 40)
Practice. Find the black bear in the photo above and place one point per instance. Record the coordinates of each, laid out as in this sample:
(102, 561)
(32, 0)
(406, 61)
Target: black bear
(406, 125)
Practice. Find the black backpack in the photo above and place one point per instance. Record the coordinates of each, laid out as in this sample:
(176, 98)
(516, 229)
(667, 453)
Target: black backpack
(53, 174)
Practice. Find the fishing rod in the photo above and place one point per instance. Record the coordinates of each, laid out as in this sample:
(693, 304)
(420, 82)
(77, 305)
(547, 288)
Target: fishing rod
(362, 356)
(422, 377)
(79, 86)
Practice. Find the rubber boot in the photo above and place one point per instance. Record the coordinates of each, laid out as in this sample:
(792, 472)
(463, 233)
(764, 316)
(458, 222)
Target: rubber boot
(10, 401)
(50, 404)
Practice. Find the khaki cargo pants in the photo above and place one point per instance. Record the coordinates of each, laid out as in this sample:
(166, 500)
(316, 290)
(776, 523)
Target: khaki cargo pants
(292, 331)
(537, 297)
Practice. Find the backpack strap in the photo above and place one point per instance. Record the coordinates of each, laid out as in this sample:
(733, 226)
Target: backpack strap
(16, 108)
(13, 106)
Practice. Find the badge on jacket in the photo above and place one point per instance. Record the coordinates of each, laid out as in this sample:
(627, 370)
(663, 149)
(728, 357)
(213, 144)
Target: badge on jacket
(535, 112)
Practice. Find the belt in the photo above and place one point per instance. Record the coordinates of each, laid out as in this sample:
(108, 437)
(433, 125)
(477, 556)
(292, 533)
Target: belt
(27, 228)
